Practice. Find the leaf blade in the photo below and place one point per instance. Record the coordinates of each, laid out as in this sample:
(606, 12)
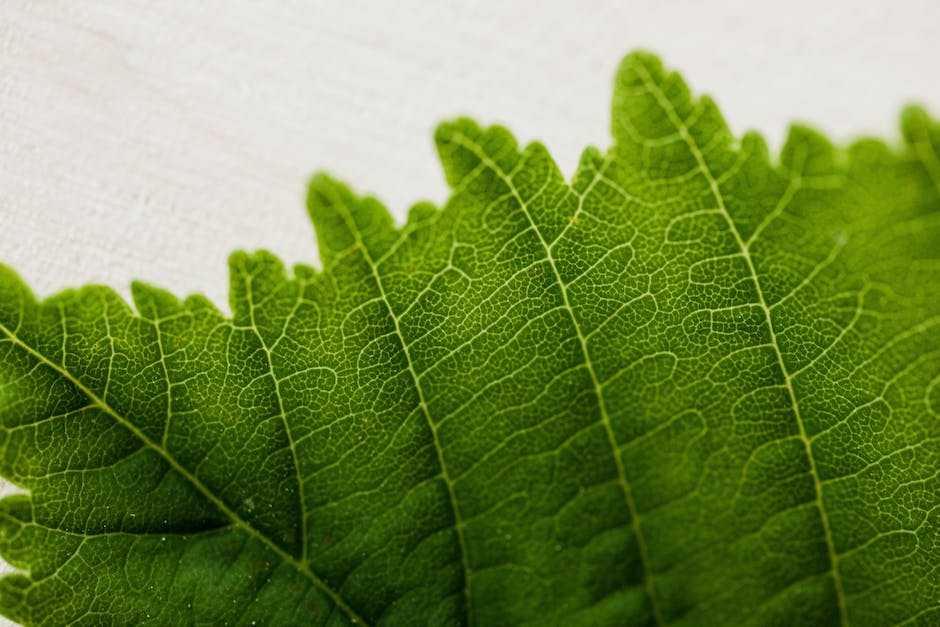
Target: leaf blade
(674, 390)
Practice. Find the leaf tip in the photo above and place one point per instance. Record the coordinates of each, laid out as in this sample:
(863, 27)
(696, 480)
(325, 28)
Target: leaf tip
(636, 64)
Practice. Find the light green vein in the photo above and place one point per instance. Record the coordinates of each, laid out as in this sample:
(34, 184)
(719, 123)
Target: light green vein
(283, 414)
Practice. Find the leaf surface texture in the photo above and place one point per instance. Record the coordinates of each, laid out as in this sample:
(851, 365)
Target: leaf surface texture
(694, 385)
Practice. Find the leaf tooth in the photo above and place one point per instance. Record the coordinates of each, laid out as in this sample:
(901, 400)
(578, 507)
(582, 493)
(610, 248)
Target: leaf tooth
(341, 219)
(461, 142)
(806, 152)
(152, 302)
(253, 277)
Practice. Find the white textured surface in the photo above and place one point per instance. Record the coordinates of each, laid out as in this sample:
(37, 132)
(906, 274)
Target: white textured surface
(147, 140)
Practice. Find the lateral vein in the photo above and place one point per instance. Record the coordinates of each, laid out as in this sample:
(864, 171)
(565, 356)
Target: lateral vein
(595, 381)
(422, 403)
(237, 520)
(686, 136)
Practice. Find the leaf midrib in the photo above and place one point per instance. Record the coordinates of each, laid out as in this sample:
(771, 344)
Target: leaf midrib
(237, 520)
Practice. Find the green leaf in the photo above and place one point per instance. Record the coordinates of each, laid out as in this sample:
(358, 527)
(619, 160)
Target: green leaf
(695, 385)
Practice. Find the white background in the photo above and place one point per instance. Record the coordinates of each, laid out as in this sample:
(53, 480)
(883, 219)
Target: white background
(148, 140)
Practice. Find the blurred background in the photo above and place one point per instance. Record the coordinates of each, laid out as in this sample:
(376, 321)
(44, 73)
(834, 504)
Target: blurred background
(149, 139)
